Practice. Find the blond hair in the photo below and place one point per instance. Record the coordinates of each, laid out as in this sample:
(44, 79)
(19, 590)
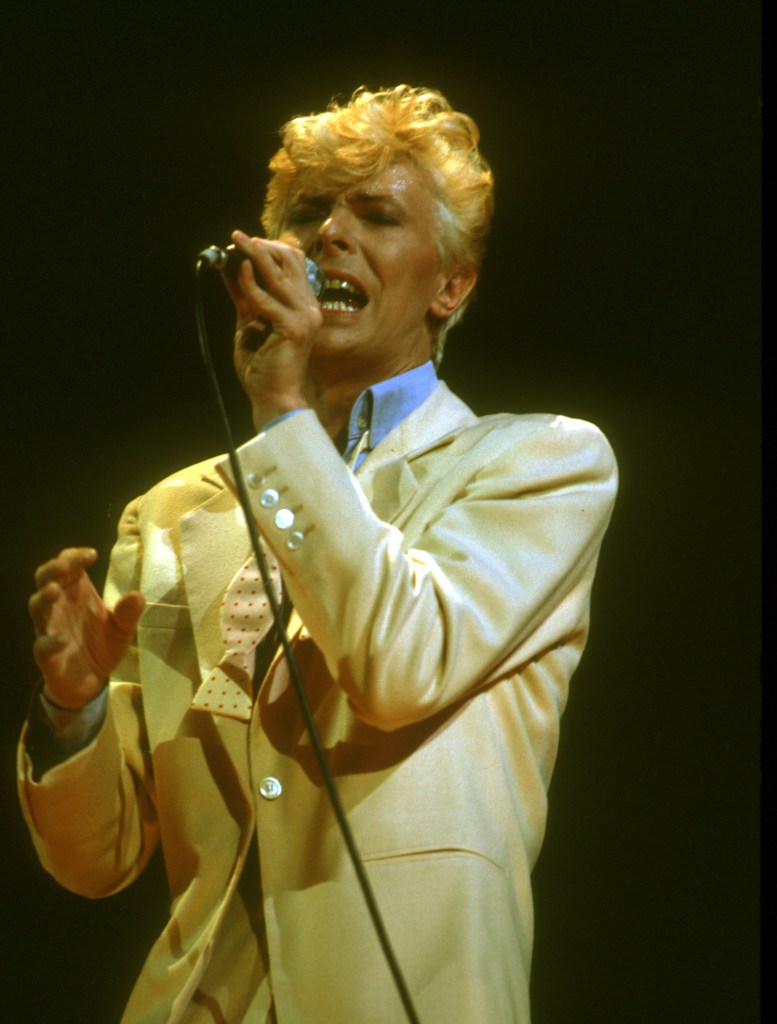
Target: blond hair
(358, 140)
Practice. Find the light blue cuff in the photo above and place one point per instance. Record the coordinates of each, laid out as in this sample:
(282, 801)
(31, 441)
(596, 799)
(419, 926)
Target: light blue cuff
(79, 726)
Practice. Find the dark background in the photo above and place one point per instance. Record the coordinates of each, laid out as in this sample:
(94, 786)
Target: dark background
(621, 285)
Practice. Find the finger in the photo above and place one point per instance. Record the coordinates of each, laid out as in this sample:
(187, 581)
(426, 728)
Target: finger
(45, 647)
(47, 572)
(249, 299)
(271, 286)
(279, 265)
(281, 252)
(65, 567)
(252, 248)
(253, 269)
(127, 612)
(40, 604)
(256, 281)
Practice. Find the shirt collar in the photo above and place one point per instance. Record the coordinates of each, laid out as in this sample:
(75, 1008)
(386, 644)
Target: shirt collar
(379, 408)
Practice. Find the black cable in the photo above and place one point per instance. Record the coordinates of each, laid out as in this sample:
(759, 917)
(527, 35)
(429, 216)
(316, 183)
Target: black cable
(307, 714)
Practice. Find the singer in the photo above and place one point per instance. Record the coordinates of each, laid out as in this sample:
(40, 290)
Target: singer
(435, 569)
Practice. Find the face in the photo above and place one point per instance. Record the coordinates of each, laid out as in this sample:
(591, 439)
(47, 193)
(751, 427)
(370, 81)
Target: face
(375, 242)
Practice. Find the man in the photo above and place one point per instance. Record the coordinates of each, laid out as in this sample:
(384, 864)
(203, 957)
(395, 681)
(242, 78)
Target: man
(439, 567)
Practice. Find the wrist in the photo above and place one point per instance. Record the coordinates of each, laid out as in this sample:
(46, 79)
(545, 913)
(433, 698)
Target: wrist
(69, 725)
(55, 703)
(264, 415)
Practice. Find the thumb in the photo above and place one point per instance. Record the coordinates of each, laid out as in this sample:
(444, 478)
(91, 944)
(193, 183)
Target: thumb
(127, 612)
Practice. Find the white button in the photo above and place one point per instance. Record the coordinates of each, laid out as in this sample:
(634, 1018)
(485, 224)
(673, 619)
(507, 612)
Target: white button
(269, 499)
(284, 518)
(295, 540)
(270, 788)
(254, 481)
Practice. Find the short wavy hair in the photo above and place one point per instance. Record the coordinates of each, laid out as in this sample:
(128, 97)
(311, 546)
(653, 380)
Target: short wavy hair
(353, 142)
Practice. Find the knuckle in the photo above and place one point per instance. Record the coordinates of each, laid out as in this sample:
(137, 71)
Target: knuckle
(41, 649)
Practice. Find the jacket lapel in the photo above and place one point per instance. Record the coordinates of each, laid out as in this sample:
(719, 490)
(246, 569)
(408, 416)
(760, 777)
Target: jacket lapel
(390, 475)
(214, 544)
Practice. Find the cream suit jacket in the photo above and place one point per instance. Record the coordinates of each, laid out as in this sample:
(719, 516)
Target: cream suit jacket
(441, 601)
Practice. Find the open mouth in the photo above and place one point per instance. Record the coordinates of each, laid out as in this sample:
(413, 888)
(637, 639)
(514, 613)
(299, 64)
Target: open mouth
(341, 296)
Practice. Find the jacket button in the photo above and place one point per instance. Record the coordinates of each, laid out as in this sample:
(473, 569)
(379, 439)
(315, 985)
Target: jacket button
(270, 788)
(284, 518)
(269, 499)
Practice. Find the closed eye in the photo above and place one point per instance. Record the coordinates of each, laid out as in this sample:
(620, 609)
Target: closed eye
(305, 213)
(378, 217)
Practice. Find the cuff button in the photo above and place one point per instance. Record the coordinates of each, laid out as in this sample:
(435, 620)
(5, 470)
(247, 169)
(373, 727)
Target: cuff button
(284, 518)
(269, 499)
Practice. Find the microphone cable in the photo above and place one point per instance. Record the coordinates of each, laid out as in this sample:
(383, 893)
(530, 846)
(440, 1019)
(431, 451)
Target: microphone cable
(207, 260)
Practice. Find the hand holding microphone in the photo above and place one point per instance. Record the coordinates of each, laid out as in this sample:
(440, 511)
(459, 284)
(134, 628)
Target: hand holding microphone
(278, 316)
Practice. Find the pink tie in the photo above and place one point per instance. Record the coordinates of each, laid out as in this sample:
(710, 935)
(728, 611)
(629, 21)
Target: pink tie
(246, 617)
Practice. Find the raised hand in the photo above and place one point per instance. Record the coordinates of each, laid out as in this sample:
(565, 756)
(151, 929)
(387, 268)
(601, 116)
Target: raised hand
(79, 641)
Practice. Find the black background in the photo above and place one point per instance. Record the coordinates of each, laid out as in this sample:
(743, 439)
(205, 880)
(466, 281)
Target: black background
(621, 285)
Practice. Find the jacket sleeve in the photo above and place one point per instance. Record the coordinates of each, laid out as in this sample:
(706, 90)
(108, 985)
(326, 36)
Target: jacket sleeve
(491, 569)
(92, 818)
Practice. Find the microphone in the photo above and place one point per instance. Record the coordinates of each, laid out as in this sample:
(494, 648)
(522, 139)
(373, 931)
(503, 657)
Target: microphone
(231, 259)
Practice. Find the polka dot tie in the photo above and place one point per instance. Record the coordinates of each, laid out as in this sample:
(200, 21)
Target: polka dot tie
(246, 617)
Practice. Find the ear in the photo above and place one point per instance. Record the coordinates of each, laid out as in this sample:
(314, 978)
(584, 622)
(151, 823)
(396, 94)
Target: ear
(455, 288)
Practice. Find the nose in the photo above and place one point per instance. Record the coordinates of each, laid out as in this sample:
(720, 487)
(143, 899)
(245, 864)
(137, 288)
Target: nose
(334, 236)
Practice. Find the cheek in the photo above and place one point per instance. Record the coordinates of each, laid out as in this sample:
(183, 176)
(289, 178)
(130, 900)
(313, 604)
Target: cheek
(418, 267)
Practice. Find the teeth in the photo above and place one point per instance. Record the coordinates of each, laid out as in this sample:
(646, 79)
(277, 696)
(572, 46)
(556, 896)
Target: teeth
(345, 286)
(339, 307)
(352, 298)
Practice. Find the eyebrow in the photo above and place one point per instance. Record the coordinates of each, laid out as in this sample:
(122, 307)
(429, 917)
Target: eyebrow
(387, 198)
(322, 200)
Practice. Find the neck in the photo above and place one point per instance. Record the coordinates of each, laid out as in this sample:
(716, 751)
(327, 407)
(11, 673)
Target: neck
(331, 394)
(333, 403)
